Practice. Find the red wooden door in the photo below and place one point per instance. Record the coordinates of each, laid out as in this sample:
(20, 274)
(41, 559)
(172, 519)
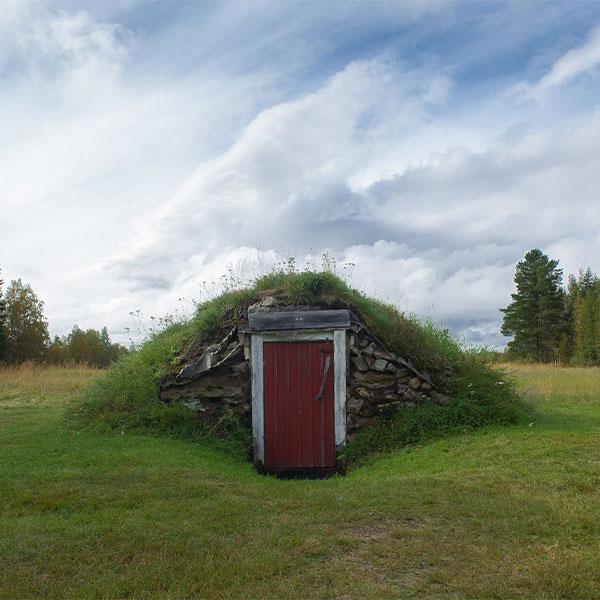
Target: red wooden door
(298, 405)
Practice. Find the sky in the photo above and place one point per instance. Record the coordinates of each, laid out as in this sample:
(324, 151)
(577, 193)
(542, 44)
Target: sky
(152, 152)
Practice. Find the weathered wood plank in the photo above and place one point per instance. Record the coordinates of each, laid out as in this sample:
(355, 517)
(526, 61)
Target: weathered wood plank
(340, 358)
(301, 319)
(258, 414)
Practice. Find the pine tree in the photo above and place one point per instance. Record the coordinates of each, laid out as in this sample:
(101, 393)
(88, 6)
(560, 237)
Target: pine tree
(598, 322)
(566, 346)
(3, 338)
(26, 326)
(585, 322)
(535, 317)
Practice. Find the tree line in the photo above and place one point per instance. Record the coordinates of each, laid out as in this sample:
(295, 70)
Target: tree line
(24, 334)
(548, 321)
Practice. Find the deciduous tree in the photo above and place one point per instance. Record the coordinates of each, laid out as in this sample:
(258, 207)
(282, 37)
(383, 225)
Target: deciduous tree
(26, 327)
(87, 346)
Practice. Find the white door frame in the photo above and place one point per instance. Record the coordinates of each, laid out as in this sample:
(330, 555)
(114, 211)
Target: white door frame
(257, 368)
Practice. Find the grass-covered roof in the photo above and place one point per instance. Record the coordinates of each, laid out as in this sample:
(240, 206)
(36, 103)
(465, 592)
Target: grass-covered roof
(430, 348)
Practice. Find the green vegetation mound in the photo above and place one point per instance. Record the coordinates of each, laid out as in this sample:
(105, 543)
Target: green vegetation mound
(126, 397)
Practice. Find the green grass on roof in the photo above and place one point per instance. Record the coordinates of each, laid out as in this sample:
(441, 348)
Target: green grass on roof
(430, 348)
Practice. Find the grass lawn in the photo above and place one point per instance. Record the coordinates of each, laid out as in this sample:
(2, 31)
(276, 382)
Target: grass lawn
(502, 513)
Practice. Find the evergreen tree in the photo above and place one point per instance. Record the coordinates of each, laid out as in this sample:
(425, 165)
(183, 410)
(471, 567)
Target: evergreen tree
(586, 317)
(3, 338)
(566, 347)
(535, 317)
(598, 322)
(26, 326)
(114, 351)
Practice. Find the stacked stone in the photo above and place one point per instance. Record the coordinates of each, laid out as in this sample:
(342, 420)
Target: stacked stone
(225, 388)
(379, 383)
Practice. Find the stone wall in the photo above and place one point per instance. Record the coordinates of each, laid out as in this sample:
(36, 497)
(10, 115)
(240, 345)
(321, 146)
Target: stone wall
(379, 382)
(219, 390)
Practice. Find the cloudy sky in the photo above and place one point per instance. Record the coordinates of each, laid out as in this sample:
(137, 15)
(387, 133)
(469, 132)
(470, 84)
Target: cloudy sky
(146, 148)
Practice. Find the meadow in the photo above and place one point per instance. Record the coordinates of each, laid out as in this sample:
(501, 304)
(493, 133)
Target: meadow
(503, 512)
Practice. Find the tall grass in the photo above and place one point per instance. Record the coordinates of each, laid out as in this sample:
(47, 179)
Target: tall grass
(126, 396)
(36, 385)
(482, 397)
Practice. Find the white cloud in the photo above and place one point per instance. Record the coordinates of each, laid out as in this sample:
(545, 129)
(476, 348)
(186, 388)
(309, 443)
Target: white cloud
(438, 89)
(441, 238)
(141, 174)
(574, 63)
(577, 253)
(82, 53)
(285, 168)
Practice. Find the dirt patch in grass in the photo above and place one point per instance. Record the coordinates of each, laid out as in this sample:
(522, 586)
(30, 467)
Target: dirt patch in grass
(383, 529)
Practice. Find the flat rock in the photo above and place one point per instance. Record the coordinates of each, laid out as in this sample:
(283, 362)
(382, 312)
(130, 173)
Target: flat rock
(360, 363)
(370, 348)
(196, 405)
(379, 365)
(240, 368)
(354, 421)
(354, 404)
(219, 392)
(268, 301)
(378, 386)
(415, 383)
(381, 354)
